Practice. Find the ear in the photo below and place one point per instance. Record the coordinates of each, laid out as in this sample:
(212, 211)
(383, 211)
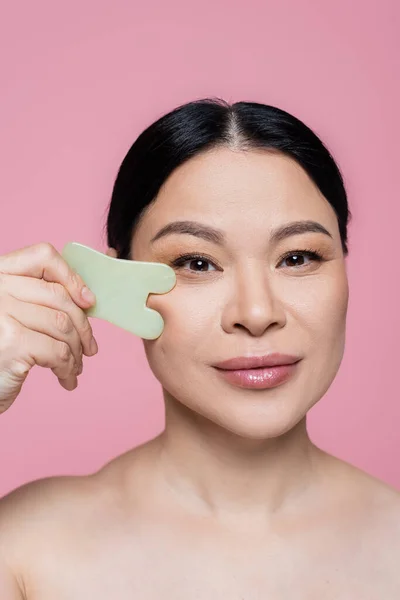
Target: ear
(112, 252)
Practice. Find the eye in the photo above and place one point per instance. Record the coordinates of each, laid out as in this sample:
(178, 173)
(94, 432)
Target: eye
(196, 263)
(300, 258)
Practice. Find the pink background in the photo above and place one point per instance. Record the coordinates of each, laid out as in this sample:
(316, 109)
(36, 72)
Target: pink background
(81, 79)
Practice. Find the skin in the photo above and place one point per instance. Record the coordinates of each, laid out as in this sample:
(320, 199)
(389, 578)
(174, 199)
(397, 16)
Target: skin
(232, 500)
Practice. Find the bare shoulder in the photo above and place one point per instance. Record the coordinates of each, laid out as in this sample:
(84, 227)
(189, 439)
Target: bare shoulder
(47, 513)
(379, 533)
(374, 504)
(46, 505)
(56, 507)
(363, 516)
(382, 504)
(375, 490)
(26, 516)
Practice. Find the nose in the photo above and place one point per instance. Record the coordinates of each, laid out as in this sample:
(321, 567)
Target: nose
(253, 305)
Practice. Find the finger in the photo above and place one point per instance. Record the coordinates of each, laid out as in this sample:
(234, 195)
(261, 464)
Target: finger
(42, 261)
(54, 323)
(44, 351)
(55, 296)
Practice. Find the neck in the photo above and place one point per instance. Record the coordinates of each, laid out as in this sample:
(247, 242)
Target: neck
(213, 470)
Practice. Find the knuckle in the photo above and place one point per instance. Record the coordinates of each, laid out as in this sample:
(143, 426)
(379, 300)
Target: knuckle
(64, 352)
(19, 368)
(75, 279)
(63, 322)
(58, 291)
(46, 250)
(86, 328)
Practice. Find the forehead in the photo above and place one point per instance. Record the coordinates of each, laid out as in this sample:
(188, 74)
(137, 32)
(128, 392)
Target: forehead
(232, 189)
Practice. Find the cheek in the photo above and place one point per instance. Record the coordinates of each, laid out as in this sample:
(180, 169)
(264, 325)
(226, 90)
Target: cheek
(336, 299)
(324, 310)
(187, 318)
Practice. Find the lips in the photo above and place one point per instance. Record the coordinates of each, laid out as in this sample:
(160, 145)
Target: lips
(257, 362)
(258, 372)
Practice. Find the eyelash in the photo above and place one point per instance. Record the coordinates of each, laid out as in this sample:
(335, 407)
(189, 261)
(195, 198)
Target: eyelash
(310, 253)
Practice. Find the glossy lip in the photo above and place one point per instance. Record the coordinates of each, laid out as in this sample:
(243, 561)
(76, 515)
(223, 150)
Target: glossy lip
(258, 372)
(257, 362)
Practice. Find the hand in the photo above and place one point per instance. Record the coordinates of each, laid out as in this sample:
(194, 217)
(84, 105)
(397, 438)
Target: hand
(42, 321)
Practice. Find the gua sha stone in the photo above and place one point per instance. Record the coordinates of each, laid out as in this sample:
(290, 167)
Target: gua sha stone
(122, 288)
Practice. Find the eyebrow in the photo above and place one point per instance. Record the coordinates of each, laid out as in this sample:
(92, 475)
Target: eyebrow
(216, 236)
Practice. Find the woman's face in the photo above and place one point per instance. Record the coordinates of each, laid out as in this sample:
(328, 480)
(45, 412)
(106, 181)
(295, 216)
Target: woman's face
(244, 289)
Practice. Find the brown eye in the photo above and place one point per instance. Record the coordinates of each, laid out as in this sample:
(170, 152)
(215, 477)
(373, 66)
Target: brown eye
(197, 264)
(295, 260)
(299, 259)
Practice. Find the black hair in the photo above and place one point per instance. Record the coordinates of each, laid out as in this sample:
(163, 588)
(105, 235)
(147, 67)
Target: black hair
(204, 124)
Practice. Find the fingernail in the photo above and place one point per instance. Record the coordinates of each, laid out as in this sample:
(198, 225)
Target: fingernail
(88, 295)
(93, 346)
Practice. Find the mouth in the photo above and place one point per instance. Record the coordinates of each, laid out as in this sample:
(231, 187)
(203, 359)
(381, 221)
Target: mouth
(258, 372)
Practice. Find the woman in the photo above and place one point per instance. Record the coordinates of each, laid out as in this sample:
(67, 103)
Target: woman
(232, 500)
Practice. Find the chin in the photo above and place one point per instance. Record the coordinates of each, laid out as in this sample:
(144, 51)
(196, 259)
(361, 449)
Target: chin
(259, 425)
(248, 416)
